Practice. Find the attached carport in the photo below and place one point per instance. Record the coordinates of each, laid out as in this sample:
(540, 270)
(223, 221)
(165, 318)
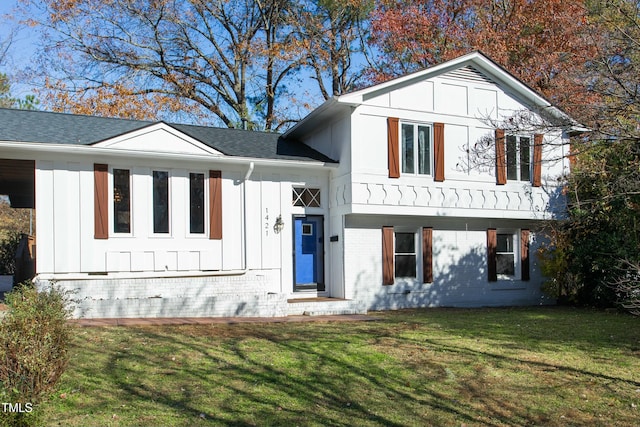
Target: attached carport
(17, 181)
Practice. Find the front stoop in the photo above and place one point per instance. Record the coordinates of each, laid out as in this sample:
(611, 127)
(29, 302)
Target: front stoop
(323, 307)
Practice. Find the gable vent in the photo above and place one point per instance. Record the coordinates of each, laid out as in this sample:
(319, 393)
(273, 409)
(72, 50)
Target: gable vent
(468, 73)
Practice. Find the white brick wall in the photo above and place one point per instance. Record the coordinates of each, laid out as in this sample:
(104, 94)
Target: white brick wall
(460, 274)
(205, 296)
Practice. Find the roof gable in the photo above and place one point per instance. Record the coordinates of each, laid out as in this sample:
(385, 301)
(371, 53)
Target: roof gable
(159, 138)
(471, 67)
(474, 67)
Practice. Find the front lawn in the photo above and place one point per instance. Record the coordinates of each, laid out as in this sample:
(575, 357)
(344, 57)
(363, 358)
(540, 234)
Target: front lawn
(530, 366)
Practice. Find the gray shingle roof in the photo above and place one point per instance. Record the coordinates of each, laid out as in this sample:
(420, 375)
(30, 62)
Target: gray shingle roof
(58, 128)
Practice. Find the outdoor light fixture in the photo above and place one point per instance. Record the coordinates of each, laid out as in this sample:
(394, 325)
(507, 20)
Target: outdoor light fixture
(279, 225)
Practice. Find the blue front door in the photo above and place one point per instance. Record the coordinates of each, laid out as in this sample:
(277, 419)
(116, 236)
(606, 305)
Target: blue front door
(308, 252)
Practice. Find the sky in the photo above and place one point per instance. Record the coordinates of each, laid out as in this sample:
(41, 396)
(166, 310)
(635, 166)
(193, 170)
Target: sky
(21, 50)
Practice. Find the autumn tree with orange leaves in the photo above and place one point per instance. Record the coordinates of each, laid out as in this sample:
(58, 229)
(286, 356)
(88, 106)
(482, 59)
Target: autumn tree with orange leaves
(545, 43)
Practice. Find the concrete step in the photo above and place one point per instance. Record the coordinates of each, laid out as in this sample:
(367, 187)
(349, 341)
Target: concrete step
(324, 307)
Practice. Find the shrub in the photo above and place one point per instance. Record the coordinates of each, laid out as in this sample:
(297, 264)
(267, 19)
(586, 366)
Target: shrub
(8, 249)
(34, 341)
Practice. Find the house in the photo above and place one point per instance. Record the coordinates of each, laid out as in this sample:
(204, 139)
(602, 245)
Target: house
(417, 192)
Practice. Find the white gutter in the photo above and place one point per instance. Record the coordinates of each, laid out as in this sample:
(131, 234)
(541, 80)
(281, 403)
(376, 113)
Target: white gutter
(89, 150)
(244, 215)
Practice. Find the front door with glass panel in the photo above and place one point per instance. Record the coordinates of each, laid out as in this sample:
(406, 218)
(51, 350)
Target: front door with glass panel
(308, 253)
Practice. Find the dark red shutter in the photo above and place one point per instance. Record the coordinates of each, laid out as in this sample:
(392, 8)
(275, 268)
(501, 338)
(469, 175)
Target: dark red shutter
(393, 147)
(215, 205)
(388, 272)
(524, 254)
(492, 242)
(438, 151)
(501, 158)
(100, 201)
(537, 160)
(427, 254)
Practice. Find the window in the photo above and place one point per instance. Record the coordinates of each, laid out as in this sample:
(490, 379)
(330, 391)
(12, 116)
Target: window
(307, 229)
(306, 197)
(196, 203)
(160, 202)
(505, 255)
(405, 255)
(415, 140)
(518, 158)
(121, 201)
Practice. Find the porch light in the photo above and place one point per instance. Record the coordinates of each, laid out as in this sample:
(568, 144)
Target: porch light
(279, 225)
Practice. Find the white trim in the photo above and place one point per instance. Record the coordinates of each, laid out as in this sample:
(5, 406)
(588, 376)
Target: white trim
(211, 161)
(137, 275)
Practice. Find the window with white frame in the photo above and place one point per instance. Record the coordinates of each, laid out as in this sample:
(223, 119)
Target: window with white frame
(160, 202)
(121, 201)
(518, 153)
(196, 203)
(306, 197)
(505, 254)
(415, 148)
(405, 255)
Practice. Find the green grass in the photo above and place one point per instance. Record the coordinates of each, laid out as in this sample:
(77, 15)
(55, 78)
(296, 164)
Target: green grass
(531, 366)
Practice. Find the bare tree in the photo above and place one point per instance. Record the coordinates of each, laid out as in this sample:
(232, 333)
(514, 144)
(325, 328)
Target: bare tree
(220, 58)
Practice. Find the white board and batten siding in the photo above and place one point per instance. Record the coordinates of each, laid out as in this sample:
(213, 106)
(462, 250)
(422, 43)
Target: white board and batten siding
(467, 104)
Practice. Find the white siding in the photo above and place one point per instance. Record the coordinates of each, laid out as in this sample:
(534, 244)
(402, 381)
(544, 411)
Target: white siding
(469, 109)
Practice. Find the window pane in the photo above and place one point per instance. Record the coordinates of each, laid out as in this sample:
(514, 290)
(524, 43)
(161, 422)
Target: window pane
(160, 202)
(297, 197)
(405, 266)
(504, 243)
(407, 149)
(405, 243)
(121, 201)
(512, 167)
(424, 155)
(314, 197)
(505, 264)
(525, 159)
(196, 203)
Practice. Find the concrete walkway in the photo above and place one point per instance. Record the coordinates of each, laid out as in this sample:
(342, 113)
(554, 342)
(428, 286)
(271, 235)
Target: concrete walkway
(219, 320)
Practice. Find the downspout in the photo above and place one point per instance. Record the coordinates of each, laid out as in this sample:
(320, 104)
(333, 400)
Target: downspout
(244, 214)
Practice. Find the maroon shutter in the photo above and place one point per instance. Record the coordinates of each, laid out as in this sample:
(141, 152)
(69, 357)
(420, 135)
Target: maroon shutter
(388, 272)
(393, 147)
(537, 160)
(427, 254)
(524, 254)
(100, 201)
(492, 242)
(501, 158)
(215, 205)
(438, 151)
